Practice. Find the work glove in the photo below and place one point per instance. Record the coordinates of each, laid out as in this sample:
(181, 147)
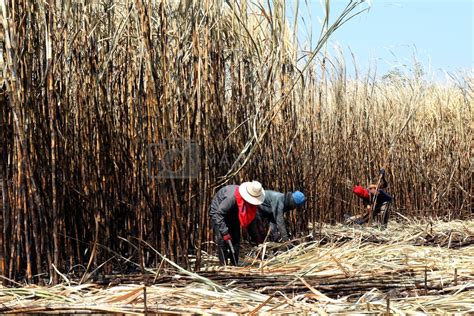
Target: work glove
(227, 237)
(382, 172)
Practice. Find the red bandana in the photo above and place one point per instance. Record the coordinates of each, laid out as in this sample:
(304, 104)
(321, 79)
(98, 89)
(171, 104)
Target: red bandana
(247, 211)
(361, 192)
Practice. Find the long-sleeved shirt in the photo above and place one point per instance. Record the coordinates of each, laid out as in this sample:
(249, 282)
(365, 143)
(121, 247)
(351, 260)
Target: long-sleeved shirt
(274, 207)
(382, 197)
(224, 206)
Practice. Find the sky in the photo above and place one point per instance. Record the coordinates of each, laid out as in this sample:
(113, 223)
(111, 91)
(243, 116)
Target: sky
(439, 33)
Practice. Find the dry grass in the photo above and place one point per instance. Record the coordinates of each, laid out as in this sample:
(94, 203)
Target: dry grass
(198, 298)
(351, 275)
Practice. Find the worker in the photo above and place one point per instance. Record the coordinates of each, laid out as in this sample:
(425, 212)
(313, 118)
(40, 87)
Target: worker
(375, 193)
(234, 206)
(272, 210)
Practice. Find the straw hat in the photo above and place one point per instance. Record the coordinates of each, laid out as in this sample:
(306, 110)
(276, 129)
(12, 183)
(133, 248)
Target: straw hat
(252, 192)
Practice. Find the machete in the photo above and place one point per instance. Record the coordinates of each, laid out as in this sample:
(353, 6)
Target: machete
(232, 250)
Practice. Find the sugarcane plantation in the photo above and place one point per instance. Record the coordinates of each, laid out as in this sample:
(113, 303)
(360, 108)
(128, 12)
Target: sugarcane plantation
(227, 157)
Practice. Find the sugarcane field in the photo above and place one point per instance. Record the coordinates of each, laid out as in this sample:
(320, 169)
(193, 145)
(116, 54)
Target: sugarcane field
(236, 157)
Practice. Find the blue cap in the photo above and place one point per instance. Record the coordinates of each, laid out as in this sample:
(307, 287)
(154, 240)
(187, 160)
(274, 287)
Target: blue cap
(298, 197)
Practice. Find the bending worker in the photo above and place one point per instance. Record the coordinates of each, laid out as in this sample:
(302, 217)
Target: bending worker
(381, 198)
(273, 210)
(234, 206)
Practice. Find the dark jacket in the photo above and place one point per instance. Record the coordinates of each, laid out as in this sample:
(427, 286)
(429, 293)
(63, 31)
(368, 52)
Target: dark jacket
(274, 207)
(382, 196)
(224, 206)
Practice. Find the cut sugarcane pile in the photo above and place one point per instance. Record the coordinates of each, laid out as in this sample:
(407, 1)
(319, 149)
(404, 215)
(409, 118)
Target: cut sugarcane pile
(452, 234)
(358, 270)
(201, 298)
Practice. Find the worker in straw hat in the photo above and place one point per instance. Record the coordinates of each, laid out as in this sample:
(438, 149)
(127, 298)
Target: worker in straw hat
(272, 211)
(374, 193)
(232, 207)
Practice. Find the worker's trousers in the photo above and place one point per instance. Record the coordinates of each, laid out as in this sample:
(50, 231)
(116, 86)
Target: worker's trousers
(383, 210)
(223, 248)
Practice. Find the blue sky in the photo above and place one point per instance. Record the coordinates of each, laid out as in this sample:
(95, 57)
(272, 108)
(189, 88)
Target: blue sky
(439, 33)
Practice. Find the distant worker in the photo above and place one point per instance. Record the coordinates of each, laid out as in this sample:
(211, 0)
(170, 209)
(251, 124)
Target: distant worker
(273, 210)
(234, 206)
(371, 194)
